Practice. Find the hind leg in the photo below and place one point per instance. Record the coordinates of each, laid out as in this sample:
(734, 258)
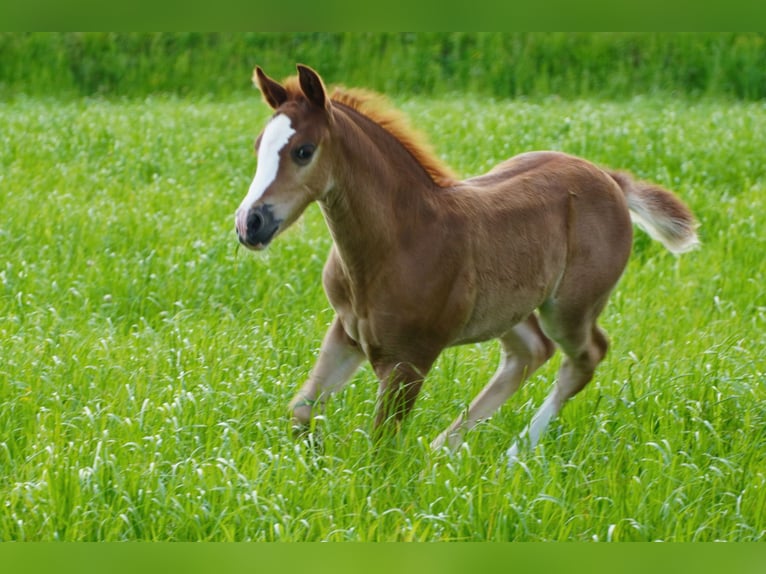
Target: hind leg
(525, 348)
(584, 345)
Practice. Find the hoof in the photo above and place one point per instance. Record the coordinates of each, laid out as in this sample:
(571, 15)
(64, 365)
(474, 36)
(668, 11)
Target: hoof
(301, 407)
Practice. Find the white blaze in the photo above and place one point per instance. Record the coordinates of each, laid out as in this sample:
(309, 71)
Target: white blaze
(276, 135)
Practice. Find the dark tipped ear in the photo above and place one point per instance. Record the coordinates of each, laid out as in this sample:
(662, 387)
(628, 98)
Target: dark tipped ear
(273, 92)
(312, 86)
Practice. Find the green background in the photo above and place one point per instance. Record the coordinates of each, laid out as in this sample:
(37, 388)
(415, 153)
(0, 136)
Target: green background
(570, 65)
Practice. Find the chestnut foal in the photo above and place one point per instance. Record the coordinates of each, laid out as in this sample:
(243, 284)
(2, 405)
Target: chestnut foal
(527, 253)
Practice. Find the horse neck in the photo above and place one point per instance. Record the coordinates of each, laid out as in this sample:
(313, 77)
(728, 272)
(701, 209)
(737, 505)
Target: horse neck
(379, 195)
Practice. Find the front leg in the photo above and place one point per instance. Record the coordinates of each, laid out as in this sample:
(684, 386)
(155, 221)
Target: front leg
(339, 358)
(400, 383)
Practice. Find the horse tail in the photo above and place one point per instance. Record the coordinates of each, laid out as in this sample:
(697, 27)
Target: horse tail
(659, 212)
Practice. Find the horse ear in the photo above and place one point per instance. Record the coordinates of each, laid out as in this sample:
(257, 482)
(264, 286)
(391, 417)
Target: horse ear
(273, 92)
(312, 86)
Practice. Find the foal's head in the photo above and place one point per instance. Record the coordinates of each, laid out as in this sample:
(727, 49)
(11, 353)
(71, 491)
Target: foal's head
(293, 166)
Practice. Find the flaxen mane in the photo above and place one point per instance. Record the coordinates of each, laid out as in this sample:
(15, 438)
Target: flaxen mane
(377, 108)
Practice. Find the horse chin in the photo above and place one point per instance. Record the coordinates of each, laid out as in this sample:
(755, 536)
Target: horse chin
(261, 246)
(264, 243)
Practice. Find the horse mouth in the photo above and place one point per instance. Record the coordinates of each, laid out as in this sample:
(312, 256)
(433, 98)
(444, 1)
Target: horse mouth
(261, 243)
(256, 229)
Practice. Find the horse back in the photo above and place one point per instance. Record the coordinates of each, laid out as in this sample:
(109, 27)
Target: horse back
(545, 224)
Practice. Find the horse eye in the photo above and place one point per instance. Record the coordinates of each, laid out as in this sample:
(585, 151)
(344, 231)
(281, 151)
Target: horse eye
(303, 154)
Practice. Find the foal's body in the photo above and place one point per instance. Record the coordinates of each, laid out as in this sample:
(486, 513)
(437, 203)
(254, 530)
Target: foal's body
(527, 253)
(473, 264)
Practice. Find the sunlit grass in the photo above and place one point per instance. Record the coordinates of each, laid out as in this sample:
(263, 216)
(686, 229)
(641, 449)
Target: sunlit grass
(146, 362)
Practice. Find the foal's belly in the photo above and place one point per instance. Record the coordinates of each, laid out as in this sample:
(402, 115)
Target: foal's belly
(497, 313)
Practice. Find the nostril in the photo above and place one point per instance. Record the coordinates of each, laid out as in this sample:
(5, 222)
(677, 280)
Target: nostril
(259, 226)
(254, 222)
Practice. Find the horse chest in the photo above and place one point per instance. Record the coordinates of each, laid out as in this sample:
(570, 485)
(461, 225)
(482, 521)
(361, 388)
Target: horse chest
(408, 322)
(356, 329)
(405, 306)
(341, 296)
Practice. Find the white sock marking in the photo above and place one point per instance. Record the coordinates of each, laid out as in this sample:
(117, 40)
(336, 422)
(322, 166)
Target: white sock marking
(276, 135)
(532, 433)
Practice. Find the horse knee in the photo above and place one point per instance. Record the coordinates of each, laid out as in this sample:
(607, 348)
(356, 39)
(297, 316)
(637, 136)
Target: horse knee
(578, 369)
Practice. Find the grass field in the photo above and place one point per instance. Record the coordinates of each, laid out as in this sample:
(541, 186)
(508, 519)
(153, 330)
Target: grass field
(146, 362)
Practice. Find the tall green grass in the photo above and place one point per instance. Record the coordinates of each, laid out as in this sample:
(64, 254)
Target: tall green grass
(146, 362)
(571, 65)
